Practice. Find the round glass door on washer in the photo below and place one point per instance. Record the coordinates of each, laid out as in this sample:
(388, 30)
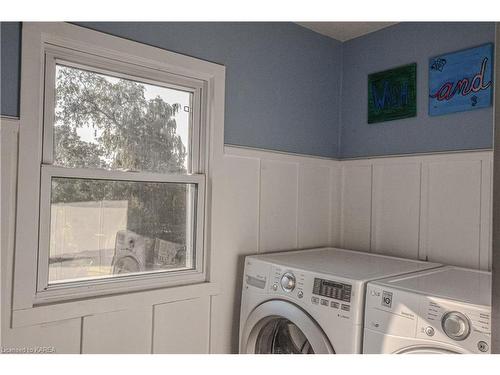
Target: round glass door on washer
(310, 301)
(280, 327)
(281, 336)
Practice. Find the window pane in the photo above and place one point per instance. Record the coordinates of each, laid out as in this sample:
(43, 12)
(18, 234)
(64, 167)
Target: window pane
(101, 228)
(114, 123)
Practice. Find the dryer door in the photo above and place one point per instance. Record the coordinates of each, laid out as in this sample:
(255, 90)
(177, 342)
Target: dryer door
(280, 327)
(429, 350)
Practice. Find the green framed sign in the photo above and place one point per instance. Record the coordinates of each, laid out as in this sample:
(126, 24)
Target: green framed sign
(392, 94)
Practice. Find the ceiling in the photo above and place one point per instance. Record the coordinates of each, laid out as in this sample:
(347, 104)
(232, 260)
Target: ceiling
(345, 30)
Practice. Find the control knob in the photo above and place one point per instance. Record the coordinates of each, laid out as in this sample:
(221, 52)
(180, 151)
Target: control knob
(456, 325)
(288, 282)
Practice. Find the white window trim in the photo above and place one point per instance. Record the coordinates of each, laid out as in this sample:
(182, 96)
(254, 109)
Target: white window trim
(54, 36)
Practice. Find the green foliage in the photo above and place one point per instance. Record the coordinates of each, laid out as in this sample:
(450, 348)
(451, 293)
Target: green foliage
(133, 132)
(130, 132)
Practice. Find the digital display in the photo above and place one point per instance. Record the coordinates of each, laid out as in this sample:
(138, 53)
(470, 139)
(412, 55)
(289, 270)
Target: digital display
(332, 289)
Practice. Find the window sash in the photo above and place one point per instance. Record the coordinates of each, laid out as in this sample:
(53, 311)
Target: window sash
(106, 174)
(59, 55)
(83, 288)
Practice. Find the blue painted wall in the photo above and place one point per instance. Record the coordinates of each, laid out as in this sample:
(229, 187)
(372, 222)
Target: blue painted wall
(283, 84)
(10, 63)
(282, 80)
(402, 44)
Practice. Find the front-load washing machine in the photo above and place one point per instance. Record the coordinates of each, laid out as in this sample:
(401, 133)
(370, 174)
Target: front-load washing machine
(446, 310)
(311, 301)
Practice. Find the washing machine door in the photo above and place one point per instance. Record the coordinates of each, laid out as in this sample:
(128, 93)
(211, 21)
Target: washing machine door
(280, 327)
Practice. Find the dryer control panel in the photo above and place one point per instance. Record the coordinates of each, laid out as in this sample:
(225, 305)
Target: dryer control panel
(405, 314)
(462, 324)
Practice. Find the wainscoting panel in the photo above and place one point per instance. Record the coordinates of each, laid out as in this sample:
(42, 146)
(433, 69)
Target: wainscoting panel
(335, 203)
(278, 205)
(235, 231)
(119, 332)
(314, 196)
(62, 337)
(182, 327)
(356, 199)
(396, 208)
(435, 207)
(485, 242)
(9, 131)
(451, 214)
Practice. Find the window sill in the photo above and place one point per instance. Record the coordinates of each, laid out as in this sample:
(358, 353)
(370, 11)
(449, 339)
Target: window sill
(99, 305)
(132, 283)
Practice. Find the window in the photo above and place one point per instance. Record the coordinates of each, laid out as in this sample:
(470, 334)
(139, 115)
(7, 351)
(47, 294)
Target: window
(113, 166)
(117, 197)
(118, 193)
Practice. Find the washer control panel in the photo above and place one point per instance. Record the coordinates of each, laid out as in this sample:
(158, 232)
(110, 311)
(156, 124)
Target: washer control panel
(332, 294)
(287, 281)
(332, 289)
(326, 296)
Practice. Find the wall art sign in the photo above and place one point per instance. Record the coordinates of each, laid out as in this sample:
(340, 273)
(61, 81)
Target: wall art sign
(392, 94)
(461, 81)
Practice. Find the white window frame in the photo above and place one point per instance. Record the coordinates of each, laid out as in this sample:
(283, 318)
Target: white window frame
(45, 44)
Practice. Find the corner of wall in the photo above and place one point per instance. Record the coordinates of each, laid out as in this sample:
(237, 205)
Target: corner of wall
(340, 106)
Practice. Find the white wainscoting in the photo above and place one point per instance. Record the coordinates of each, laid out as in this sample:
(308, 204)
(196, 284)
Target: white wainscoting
(265, 201)
(396, 195)
(127, 331)
(278, 205)
(141, 322)
(182, 327)
(435, 207)
(355, 200)
(61, 336)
